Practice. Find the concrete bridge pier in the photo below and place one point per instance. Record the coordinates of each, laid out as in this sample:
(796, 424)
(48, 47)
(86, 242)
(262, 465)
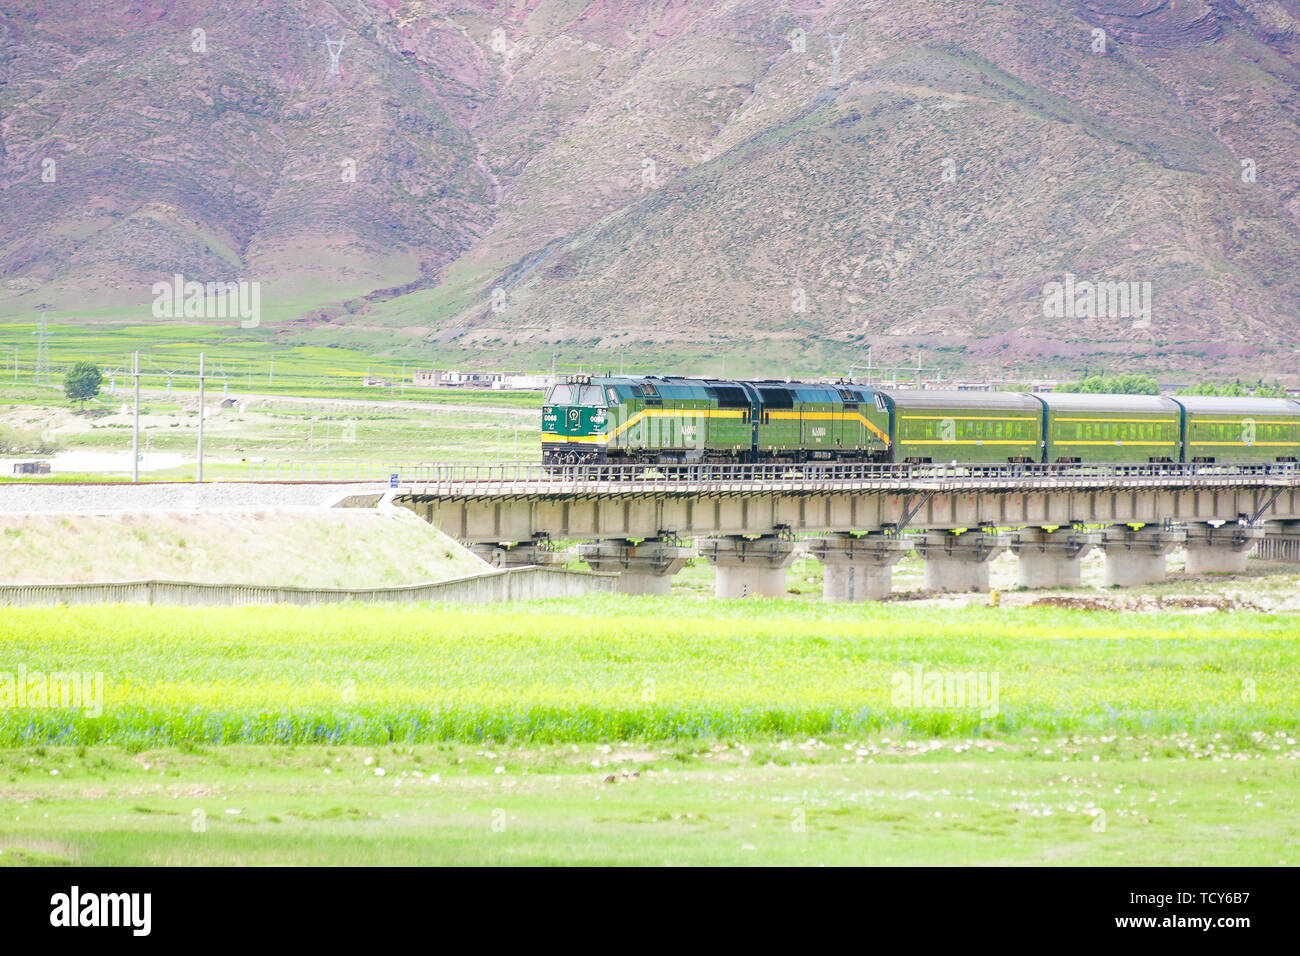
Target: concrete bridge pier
(958, 562)
(1281, 542)
(858, 568)
(750, 567)
(1136, 557)
(520, 555)
(1051, 559)
(644, 568)
(1220, 549)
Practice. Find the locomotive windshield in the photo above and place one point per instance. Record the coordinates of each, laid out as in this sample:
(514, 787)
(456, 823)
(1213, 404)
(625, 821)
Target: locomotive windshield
(575, 395)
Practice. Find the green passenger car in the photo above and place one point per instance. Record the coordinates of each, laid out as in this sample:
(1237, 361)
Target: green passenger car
(1240, 430)
(943, 426)
(1111, 428)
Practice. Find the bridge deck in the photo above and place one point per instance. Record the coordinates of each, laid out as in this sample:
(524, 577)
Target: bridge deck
(457, 482)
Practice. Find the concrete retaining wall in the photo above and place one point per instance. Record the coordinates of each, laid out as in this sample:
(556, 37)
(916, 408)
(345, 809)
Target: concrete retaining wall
(511, 584)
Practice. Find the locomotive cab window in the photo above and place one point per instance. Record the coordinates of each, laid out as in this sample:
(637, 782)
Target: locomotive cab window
(561, 395)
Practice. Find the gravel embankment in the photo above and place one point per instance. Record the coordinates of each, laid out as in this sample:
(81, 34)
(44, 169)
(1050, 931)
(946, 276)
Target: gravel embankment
(214, 496)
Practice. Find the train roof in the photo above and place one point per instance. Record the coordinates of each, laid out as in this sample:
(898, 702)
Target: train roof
(1092, 402)
(676, 386)
(1220, 405)
(939, 398)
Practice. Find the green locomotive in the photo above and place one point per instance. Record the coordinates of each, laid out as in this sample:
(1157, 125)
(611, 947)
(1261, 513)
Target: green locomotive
(673, 420)
(669, 420)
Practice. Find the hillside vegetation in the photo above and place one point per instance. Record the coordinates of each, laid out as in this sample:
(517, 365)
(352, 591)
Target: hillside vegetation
(670, 182)
(363, 548)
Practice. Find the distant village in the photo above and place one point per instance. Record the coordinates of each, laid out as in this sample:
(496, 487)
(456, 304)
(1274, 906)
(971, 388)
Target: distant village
(530, 381)
(461, 378)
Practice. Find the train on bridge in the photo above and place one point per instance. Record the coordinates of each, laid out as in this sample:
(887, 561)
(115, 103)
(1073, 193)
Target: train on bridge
(670, 420)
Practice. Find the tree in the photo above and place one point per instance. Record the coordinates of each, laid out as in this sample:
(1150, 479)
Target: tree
(81, 383)
(1135, 384)
(1229, 389)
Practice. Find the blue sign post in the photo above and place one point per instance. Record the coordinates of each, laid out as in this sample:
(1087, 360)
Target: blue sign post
(392, 480)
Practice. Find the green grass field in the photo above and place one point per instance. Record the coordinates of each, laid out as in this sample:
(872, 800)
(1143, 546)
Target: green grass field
(643, 730)
(833, 800)
(250, 439)
(617, 668)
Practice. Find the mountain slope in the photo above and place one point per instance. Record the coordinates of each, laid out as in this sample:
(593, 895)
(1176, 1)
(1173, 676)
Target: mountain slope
(675, 181)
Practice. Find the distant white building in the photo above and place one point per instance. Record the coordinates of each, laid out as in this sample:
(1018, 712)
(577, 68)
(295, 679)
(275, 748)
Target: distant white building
(478, 378)
(525, 382)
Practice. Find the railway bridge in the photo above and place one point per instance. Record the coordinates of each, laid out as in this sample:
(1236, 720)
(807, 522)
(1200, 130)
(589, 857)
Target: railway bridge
(752, 521)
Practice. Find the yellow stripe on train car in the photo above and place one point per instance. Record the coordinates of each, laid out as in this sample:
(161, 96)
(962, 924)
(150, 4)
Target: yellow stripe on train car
(831, 417)
(1122, 441)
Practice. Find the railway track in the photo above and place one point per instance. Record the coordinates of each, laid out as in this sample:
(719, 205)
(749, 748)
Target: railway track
(529, 479)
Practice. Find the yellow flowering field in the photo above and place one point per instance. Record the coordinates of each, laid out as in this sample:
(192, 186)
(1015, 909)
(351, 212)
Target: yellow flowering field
(622, 668)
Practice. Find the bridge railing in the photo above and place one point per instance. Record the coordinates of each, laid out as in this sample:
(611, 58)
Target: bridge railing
(531, 477)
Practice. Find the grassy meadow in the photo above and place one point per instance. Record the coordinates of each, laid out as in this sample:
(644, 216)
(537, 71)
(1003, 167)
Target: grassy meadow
(264, 436)
(621, 668)
(643, 730)
(879, 800)
(366, 548)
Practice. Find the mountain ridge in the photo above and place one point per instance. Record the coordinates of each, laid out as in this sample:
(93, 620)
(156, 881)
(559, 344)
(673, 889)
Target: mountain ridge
(681, 181)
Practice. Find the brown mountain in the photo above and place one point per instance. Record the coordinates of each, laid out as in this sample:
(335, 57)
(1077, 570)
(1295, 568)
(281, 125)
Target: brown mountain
(673, 181)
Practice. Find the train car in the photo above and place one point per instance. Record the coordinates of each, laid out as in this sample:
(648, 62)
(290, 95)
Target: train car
(593, 419)
(675, 420)
(668, 419)
(798, 421)
(944, 426)
(1090, 428)
(1240, 430)
(574, 415)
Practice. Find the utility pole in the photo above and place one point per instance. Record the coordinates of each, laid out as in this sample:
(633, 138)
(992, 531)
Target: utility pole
(42, 354)
(135, 433)
(199, 476)
(271, 380)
